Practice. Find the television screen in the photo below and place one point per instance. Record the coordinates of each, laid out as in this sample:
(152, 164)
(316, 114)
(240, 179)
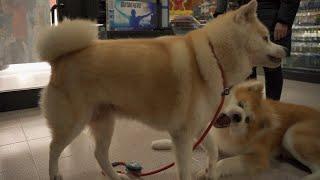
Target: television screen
(132, 15)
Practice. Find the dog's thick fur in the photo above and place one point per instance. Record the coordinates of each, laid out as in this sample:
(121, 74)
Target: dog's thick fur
(265, 130)
(169, 83)
(272, 127)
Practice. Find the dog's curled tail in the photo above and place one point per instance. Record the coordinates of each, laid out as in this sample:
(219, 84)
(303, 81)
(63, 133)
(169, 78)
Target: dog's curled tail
(68, 36)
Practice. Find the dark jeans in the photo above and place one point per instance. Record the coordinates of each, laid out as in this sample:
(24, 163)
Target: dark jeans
(274, 81)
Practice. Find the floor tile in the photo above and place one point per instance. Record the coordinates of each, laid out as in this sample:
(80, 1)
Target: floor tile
(74, 175)
(16, 163)
(77, 158)
(10, 128)
(10, 135)
(9, 119)
(302, 93)
(34, 124)
(298, 92)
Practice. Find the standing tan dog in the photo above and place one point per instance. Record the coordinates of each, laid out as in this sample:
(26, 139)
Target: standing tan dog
(171, 83)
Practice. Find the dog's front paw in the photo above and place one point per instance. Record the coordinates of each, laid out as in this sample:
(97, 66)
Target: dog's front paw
(203, 175)
(218, 175)
(56, 177)
(221, 171)
(123, 176)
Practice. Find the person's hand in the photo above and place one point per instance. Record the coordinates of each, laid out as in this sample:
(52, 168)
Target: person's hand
(280, 31)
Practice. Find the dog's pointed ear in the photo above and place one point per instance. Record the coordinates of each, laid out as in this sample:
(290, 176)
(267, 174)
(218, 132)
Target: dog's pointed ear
(256, 87)
(247, 12)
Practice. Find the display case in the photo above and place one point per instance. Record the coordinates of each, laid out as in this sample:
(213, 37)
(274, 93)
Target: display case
(304, 62)
(137, 18)
(183, 24)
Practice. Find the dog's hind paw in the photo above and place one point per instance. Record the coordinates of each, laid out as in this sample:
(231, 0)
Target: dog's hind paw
(56, 177)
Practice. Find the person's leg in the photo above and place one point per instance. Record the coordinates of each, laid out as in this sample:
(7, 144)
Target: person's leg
(274, 82)
(253, 75)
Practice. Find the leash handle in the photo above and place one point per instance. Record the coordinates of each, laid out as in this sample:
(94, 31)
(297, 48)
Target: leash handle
(138, 173)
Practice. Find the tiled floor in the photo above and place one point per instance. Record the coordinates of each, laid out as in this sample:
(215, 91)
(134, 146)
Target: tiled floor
(24, 141)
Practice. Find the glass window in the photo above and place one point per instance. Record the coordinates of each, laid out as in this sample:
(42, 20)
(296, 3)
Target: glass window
(20, 22)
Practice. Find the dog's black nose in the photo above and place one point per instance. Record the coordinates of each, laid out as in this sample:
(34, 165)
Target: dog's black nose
(222, 121)
(236, 118)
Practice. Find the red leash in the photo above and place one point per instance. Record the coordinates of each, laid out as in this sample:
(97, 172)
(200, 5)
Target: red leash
(137, 172)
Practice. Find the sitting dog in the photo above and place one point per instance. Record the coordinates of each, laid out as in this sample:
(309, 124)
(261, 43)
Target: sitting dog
(171, 83)
(253, 130)
(261, 128)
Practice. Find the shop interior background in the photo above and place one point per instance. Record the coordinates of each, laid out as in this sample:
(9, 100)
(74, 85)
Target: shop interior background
(21, 21)
(24, 136)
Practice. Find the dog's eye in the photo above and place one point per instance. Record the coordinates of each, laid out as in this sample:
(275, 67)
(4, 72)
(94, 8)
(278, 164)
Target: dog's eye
(266, 38)
(247, 120)
(241, 104)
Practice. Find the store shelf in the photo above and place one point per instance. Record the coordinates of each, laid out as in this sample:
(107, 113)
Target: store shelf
(301, 74)
(304, 54)
(307, 69)
(20, 85)
(304, 62)
(305, 41)
(302, 27)
(308, 13)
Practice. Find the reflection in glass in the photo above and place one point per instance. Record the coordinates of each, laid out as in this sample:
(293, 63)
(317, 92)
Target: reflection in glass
(20, 22)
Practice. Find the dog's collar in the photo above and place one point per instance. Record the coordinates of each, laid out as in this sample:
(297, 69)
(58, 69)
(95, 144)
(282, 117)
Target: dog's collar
(226, 88)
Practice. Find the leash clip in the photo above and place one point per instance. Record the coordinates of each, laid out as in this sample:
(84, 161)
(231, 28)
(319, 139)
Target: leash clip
(226, 91)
